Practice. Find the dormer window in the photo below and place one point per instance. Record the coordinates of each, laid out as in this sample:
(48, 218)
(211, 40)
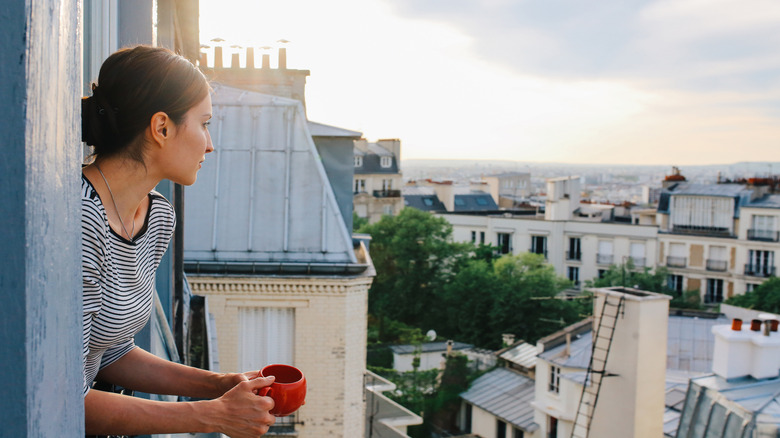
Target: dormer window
(358, 161)
(386, 162)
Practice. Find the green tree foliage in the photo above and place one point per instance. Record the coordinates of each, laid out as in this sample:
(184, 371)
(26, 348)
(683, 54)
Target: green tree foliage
(358, 222)
(765, 297)
(652, 281)
(413, 256)
(517, 294)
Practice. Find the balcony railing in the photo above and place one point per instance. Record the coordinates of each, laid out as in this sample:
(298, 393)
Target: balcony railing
(759, 270)
(604, 259)
(639, 262)
(387, 193)
(702, 231)
(765, 235)
(676, 262)
(573, 255)
(538, 251)
(717, 265)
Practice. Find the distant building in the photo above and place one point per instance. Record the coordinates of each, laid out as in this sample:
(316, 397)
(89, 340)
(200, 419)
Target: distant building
(432, 355)
(510, 189)
(717, 239)
(445, 196)
(378, 179)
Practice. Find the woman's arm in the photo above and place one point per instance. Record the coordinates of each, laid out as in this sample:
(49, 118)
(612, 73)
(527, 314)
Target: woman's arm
(239, 413)
(142, 371)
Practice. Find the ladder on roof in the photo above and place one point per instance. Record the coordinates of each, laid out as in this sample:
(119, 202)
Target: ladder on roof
(602, 341)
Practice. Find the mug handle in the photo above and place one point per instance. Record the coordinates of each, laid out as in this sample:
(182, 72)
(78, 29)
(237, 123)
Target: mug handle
(263, 392)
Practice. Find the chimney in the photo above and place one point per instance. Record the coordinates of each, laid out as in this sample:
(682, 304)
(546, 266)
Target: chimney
(282, 59)
(741, 353)
(250, 57)
(266, 61)
(204, 59)
(631, 399)
(217, 57)
(508, 339)
(449, 347)
(234, 61)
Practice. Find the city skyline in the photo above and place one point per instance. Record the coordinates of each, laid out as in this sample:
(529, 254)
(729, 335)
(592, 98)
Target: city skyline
(684, 82)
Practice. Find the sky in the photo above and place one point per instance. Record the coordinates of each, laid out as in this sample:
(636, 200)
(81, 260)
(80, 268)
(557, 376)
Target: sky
(677, 82)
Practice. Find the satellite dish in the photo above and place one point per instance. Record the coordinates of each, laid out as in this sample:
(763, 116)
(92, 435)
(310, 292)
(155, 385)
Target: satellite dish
(431, 335)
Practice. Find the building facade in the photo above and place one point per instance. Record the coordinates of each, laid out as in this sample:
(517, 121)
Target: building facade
(378, 179)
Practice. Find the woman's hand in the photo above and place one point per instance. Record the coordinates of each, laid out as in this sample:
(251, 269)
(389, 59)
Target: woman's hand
(227, 381)
(240, 411)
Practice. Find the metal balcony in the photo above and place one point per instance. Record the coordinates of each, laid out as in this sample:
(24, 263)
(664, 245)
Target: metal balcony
(676, 262)
(763, 235)
(572, 255)
(639, 262)
(387, 193)
(604, 259)
(759, 270)
(717, 265)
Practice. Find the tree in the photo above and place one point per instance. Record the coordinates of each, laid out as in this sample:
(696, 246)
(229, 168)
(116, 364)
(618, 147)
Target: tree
(358, 222)
(765, 297)
(413, 256)
(627, 275)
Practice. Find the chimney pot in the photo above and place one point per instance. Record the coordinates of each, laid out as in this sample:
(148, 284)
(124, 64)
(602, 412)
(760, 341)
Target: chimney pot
(449, 347)
(266, 61)
(234, 61)
(736, 324)
(204, 59)
(250, 57)
(282, 58)
(773, 324)
(755, 325)
(217, 57)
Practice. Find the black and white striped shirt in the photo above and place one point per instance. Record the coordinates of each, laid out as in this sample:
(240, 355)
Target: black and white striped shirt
(118, 277)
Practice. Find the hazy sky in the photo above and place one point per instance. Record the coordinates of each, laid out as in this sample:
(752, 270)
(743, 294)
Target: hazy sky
(609, 81)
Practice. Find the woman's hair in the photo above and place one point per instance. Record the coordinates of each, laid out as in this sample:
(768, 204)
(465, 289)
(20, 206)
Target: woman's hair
(134, 84)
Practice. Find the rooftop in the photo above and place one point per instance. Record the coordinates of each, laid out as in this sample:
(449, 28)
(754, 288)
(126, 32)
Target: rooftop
(428, 347)
(506, 394)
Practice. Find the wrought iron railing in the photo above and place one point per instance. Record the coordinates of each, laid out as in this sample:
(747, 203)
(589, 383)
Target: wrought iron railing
(573, 255)
(765, 235)
(387, 193)
(604, 259)
(676, 262)
(639, 262)
(759, 270)
(717, 265)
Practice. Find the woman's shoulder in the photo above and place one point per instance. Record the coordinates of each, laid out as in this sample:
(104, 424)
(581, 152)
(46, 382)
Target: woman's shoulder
(160, 202)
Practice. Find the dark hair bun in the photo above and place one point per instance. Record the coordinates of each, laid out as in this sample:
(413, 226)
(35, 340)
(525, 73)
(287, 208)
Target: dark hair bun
(98, 120)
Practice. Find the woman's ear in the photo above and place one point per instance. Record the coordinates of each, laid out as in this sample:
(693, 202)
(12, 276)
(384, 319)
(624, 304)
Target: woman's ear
(159, 128)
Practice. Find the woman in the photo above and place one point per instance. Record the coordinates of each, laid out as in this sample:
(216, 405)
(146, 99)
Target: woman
(147, 120)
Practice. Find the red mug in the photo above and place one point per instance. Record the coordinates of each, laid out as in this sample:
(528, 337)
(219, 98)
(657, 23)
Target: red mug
(288, 390)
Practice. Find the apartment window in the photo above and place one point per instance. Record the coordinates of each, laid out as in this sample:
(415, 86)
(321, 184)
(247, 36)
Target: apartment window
(760, 263)
(637, 251)
(604, 256)
(675, 283)
(467, 415)
(473, 237)
(552, 427)
(500, 429)
(764, 228)
(358, 160)
(573, 273)
(555, 379)
(459, 202)
(517, 433)
(482, 237)
(718, 259)
(539, 245)
(750, 287)
(482, 201)
(574, 249)
(504, 243)
(677, 256)
(428, 202)
(714, 291)
(266, 335)
(386, 162)
(387, 184)
(387, 209)
(360, 186)
(601, 273)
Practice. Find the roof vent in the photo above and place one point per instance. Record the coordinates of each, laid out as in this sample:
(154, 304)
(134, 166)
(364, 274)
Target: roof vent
(740, 353)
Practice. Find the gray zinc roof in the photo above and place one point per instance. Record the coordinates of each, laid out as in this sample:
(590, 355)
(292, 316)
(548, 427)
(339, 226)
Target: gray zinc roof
(506, 394)
(429, 347)
(475, 201)
(263, 196)
(424, 202)
(323, 130)
(523, 354)
(768, 201)
(727, 190)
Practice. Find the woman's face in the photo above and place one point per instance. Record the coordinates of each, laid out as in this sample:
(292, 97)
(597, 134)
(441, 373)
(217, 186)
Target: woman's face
(189, 144)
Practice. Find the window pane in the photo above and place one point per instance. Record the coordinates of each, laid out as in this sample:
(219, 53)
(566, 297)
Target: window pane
(267, 336)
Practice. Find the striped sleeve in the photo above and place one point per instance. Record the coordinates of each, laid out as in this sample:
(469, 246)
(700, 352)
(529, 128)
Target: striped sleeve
(93, 252)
